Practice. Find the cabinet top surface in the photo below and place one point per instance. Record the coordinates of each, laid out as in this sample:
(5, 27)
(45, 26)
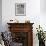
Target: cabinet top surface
(19, 23)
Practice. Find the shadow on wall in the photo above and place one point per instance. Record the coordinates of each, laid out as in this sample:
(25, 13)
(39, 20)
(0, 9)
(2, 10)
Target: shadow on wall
(0, 15)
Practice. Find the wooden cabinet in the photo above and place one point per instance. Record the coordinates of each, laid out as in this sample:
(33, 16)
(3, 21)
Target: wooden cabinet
(22, 33)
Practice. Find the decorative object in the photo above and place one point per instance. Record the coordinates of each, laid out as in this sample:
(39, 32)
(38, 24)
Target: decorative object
(41, 36)
(20, 9)
(27, 21)
(13, 21)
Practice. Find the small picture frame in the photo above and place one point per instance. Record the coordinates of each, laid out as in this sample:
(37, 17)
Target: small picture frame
(20, 9)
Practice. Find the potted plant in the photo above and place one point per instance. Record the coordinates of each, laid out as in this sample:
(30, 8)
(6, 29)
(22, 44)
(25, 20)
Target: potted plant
(41, 36)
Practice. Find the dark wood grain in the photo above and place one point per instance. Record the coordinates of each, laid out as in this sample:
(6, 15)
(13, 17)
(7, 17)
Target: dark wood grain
(22, 27)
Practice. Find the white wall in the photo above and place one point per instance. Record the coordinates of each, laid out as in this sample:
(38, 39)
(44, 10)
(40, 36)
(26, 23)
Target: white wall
(32, 11)
(43, 6)
(43, 14)
(33, 14)
(0, 15)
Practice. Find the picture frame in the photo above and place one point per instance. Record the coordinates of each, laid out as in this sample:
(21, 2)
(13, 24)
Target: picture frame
(20, 9)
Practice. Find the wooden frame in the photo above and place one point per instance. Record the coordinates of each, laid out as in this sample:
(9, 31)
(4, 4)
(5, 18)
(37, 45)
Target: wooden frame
(22, 27)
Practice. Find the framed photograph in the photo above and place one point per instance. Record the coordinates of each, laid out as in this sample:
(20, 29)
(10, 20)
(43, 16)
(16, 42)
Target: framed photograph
(20, 9)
